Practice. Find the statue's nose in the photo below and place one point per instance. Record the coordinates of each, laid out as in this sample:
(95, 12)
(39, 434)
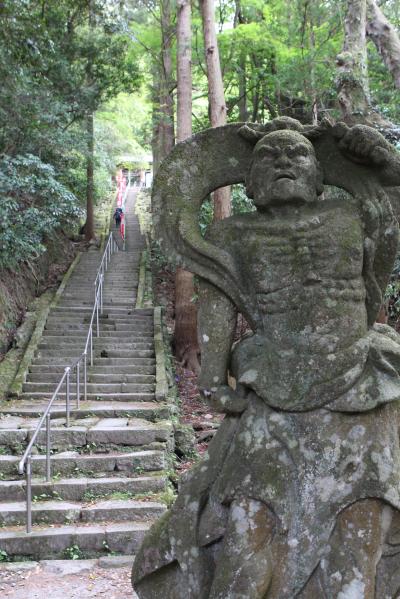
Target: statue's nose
(282, 160)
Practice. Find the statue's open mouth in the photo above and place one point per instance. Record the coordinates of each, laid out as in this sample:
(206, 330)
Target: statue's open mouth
(285, 175)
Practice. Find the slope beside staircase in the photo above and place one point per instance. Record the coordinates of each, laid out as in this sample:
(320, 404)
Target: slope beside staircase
(109, 466)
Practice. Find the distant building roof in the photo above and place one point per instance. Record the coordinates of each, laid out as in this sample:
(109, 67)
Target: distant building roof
(134, 158)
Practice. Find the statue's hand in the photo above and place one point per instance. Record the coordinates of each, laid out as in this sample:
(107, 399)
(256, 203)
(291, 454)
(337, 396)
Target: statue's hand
(225, 399)
(363, 144)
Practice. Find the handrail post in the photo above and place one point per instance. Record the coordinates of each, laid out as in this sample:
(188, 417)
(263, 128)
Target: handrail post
(85, 375)
(91, 346)
(101, 292)
(67, 398)
(48, 457)
(97, 316)
(29, 494)
(77, 385)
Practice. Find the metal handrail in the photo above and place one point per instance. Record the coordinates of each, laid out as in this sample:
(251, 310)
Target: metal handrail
(110, 247)
(25, 464)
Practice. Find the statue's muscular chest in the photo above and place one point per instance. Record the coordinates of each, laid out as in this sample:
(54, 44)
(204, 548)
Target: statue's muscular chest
(286, 260)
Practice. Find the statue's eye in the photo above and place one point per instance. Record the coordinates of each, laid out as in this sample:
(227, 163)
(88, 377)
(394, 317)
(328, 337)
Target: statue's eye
(297, 150)
(267, 152)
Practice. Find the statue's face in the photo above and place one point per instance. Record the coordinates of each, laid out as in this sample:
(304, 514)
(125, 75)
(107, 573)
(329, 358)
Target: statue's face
(284, 170)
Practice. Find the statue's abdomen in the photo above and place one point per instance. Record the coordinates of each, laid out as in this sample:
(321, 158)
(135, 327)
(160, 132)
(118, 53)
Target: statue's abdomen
(308, 281)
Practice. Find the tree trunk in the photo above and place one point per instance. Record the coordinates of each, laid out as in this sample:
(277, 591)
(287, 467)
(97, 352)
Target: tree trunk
(313, 86)
(166, 126)
(216, 98)
(185, 336)
(242, 102)
(242, 88)
(89, 225)
(184, 70)
(155, 117)
(352, 80)
(385, 38)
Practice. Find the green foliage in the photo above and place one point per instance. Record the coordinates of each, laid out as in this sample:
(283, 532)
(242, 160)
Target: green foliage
(33, 204)
(240, 204)
(107, 549)
(73, 552)
(59, 61)
(3, 556)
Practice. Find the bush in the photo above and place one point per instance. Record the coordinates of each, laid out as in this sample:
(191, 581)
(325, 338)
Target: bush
(32, 204)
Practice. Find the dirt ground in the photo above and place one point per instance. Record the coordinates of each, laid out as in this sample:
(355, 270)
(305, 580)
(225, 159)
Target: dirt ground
(67, 579)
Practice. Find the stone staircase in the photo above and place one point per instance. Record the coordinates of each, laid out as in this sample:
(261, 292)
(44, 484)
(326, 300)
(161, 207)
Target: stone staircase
(109, 466)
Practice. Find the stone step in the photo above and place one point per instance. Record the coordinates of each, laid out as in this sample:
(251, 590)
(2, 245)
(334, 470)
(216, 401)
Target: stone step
(92, 540)
(124, 342)
(92, 396)
(92, 388)
(127, 315)
(79, 289)
(101, 377)
(84, 432)
(135, 366)
(84, 320)
(113, 312)
(63, 512)
(70, 303)
(106, 330)
(102, 409)
(66, 352)
(73, 463)
(83, 489)
(109, 331)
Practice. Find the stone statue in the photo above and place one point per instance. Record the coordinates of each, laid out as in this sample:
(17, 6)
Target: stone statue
(299, 493)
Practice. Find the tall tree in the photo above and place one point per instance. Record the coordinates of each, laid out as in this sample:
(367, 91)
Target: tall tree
(352, 81)
(385, 38)
(89, 224)
(185, 336)
(216, 96)
(166, 130)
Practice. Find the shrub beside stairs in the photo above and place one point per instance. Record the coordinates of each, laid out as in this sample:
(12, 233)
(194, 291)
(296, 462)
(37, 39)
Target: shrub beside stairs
(109, 478)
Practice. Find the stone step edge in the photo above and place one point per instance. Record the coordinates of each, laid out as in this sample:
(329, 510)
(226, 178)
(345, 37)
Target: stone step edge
(68, 566)
(50, 542)
(80, 511)
(86, 407)
(148, 483)
(74, 456)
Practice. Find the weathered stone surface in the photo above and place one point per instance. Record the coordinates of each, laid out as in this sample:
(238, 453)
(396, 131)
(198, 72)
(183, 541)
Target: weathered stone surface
(185, 440)
(115, 561)
(299, 493)
(64, 567)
